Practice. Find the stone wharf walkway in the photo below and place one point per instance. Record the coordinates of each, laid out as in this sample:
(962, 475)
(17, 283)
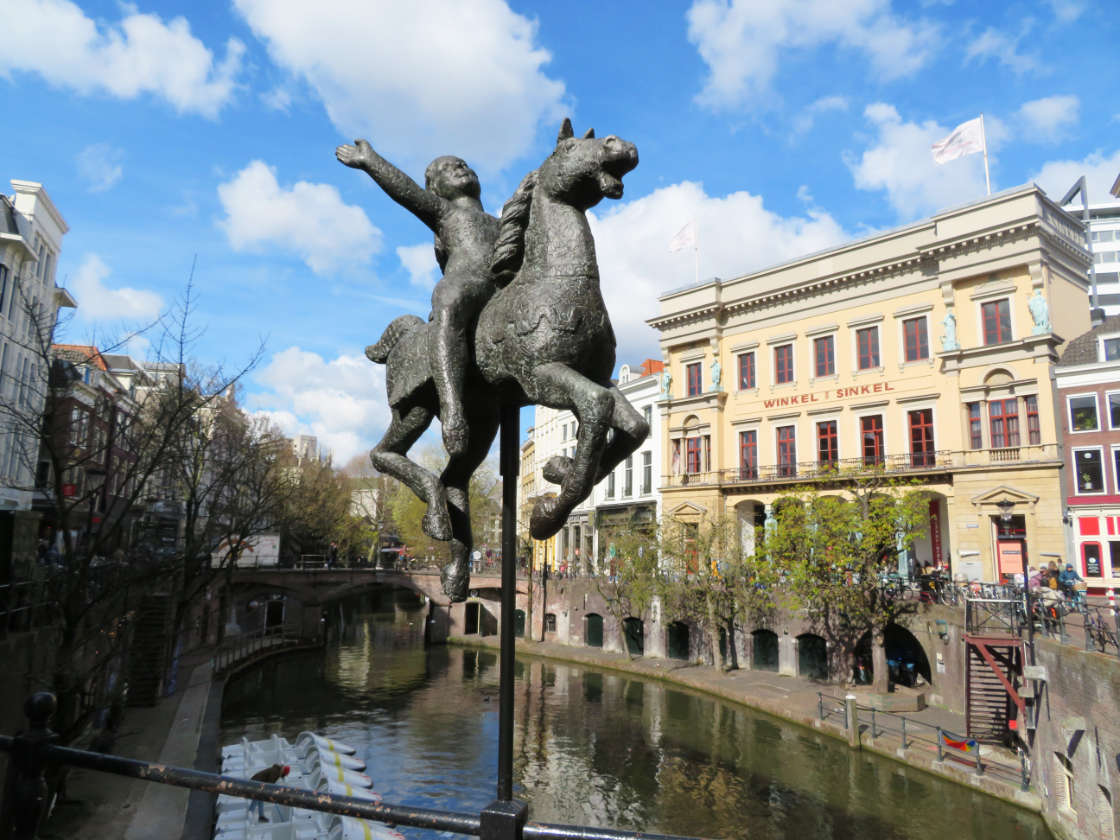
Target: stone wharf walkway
(797, 700)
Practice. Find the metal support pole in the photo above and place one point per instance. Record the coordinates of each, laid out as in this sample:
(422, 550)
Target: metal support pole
(508, 456)
(851, 720)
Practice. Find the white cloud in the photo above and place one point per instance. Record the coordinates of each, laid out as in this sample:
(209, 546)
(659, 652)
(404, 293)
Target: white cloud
(742, 42)
(900, 162)
(1099, 169)
(1047, 120)
(803, 122)
(419, 79)
(341, 401)
(1004, 48)
(736, 234)
(100, 166)
(1067, 11)
(140, 54)
(278, 99)
(99, 302)
(310, 220)
(420, 263)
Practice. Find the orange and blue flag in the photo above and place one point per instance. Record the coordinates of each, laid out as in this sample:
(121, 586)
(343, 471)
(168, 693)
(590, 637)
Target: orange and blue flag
(962, 744)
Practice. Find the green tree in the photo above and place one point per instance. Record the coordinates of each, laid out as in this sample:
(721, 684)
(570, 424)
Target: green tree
(630, 574)
(834, 552)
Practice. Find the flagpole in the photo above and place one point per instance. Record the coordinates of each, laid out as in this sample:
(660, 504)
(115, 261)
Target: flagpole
(984, 141)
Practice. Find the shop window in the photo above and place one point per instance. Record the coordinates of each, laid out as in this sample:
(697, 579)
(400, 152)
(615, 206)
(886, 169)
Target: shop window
(748, 454)
(1083, 413)
(922, 452)
(1088, 470)
(1114, 557)
(783, 364)
(828, 452)
(871, 438)
(975, 436)
(824, 356)
(1034, 430)
(867, 348)
(1003, 420)
(996, 319)
(692, 373)
(1091, 559)
(915, 339)
(746, 371)
(787, 451)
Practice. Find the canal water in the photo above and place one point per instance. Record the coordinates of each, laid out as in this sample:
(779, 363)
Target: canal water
(593, 748)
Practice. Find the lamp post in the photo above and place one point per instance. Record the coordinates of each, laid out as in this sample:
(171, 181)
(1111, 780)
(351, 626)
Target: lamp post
(1005, 509)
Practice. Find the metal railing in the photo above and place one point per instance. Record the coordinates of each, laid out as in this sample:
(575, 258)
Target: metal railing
(916, 733)
(910, 463)
(26, 605)
(246, 646)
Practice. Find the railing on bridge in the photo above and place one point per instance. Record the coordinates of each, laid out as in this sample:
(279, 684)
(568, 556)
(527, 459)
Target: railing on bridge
(26, 605)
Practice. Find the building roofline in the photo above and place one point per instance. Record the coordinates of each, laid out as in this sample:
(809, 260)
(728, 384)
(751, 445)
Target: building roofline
(40, 192)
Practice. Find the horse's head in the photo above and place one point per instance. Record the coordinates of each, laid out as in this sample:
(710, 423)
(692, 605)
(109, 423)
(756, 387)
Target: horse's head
(581, 171)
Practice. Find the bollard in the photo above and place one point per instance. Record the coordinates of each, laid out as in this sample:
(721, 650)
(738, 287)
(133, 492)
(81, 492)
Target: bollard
(851, 720)
(979, 766)
(820, 706)
(904, 744)
(1024, 775)
(940, 746)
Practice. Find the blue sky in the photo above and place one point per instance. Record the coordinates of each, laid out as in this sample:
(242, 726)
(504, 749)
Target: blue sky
(166, 131)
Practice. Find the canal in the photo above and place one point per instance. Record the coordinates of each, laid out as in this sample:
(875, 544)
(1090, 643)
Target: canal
(595, 748)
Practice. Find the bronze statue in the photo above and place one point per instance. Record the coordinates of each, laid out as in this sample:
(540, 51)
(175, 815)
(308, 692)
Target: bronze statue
(542, 338)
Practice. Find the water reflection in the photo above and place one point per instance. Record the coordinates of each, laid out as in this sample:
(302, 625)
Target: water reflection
(590, 747)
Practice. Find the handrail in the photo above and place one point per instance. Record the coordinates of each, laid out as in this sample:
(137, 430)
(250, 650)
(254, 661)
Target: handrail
(908, 729)
(242, 647)
(25, 605)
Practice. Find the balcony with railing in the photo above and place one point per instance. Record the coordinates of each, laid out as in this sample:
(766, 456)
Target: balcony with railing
(916, 464)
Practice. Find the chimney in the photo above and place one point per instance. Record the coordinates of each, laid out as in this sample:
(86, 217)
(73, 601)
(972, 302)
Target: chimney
(652, 366)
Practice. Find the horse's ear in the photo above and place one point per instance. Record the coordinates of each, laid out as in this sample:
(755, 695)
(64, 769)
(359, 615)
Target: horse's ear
(565, 131)
(590, 135)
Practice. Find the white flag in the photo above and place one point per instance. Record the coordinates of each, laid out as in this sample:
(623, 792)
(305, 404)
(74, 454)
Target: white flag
(966, 139)
(685, 237)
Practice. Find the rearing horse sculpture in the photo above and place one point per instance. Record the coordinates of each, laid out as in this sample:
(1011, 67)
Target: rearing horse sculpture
(544, 338)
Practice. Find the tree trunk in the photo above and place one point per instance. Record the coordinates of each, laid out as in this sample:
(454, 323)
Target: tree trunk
(713, 634)
(881, 683)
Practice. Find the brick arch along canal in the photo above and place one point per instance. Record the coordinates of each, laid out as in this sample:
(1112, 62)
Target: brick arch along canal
(595, 748)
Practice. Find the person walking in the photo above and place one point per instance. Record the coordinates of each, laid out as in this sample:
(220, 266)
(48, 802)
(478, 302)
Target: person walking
(271, 775)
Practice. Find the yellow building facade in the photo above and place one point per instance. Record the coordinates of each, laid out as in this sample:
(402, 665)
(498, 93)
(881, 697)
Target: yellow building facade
(924, 353)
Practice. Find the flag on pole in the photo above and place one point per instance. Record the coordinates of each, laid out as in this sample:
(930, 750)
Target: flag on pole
(685, 238)
(966, 139)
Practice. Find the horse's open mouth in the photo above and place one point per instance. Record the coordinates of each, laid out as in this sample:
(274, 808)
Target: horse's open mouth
(610, 176)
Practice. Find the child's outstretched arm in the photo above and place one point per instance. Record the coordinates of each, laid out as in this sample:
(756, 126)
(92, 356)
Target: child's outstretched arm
(398, 186)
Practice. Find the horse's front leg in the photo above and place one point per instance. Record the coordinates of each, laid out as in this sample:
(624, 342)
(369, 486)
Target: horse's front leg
(389, 457)
(559, 386)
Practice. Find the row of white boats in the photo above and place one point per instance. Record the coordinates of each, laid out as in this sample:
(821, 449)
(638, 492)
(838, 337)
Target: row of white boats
(318, 764)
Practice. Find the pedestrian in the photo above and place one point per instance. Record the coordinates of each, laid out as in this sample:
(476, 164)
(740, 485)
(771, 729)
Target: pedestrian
(1035, 580)
(271, 775)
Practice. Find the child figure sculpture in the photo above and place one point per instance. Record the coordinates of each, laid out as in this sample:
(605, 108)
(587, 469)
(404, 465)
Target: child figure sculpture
(450, 205)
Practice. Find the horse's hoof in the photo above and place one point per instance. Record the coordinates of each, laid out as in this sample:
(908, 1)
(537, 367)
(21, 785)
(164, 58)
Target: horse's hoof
(456, 580)
(556, 469)
(544, 522)
(456, 437)
(437, 525)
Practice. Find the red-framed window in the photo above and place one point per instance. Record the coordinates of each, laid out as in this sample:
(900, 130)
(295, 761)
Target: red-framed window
(828, 447)
(748, 454)
(1034, 431)
(915, 339)
(746, 371)
(824, 356)
(783, 363)
(922, 453)
(871, 439)
(867, 348)
(693, 377)
(787, 451)
(975, 434)
(1003, 420)
(692, 455)
(996, 318)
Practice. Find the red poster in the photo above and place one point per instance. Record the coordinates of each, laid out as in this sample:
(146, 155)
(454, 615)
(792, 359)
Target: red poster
(935, 530)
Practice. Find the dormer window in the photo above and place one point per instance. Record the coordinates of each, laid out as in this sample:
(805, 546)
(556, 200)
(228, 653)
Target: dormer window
(1111, 348)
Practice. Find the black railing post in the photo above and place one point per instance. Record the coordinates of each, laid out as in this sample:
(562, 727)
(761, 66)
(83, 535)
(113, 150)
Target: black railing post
(508, 455)
(25, 794)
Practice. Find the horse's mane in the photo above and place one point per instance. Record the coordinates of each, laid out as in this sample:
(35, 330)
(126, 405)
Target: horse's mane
(509, 249)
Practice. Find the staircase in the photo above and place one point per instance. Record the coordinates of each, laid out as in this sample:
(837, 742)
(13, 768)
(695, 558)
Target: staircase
(992, 680)
(148, 655)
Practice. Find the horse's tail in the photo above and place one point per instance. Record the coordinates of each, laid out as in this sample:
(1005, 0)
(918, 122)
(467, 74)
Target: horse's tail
(509, 249)
(379, 352)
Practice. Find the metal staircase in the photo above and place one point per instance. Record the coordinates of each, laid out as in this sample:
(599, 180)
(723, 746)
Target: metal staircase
(993, 679)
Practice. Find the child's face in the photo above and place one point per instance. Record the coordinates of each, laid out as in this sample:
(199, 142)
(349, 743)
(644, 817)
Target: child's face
(455, 178)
